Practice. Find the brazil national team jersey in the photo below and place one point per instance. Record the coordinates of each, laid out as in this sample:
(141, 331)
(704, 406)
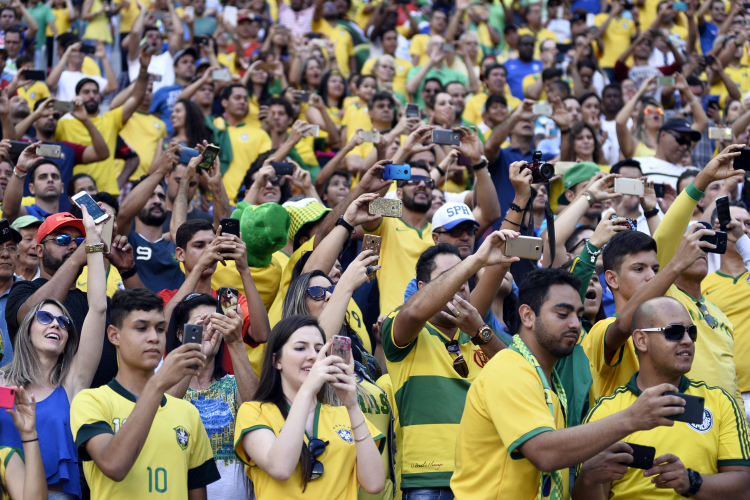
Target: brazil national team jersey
(5, 454)
(176, 457)
(720, 440)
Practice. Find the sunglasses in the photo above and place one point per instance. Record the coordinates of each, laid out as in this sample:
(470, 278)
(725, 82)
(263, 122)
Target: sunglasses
(316, 447)
(459, 364)
(416, 179)
(56, 116)
(675, 333)
(276, 181)
(706, 315)
(45, 318)
(456, 232)
(682, 141)
(64, 240)
(649, 111)
(318, 293)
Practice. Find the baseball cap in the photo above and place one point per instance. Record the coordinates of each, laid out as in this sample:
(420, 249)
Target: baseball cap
(189, 50)
(201, 62)
(450, 215)
(57, 221)
(25, 221)
(684, 127)
(580, 172)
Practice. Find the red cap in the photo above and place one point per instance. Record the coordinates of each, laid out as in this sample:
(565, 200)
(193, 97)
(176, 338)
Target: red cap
(55, 222)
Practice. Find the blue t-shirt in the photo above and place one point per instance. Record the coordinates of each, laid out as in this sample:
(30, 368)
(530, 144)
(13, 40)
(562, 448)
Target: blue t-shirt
(162, 106)
(517, 71)
(157, 266)
(590, 6)
(66, 162)
(708, 34)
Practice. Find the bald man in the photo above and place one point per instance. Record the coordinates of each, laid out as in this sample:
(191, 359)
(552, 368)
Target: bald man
(703, 460)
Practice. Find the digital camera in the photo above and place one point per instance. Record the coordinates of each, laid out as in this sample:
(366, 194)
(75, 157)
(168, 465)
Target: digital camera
(540, 171)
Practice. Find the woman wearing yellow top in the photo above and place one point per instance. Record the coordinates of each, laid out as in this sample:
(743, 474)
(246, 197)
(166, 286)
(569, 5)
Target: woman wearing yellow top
(298, 447)
(23, 478)
(332, 90)
(95, 12)
(642, 140)
(65, 14)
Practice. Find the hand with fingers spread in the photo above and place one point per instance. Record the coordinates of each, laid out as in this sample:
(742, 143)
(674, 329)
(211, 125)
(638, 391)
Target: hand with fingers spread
(648, 200)
(358, 212)
(417, 138)
(670, 473)
(606, 229)
(24, 414)
(463, 315)
(28, 158)
(601, 187)
(609, 465)
(470, 146)
(357, 273)
(721, 167)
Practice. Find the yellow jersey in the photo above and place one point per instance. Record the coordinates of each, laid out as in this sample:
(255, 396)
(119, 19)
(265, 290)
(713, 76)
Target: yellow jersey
(331, 423)
(418, 47)
(175, 458)
(740, 76)
(618, 35)
(247, 144)
(36, 92)
(143, 132)
(62, 21)
(128, 15)
(5, 455)
(114, 280)
(341, 39)
(402, 69)
(475, 106)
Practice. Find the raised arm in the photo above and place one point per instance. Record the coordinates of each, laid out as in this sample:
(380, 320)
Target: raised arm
(9, 132)
(221, 206)
(412, 85)
(334, 163)
(134, 40)
(180, 205)
(627, 142)
(109, 73)
(501, 132)
(62, 64)
(139, 91)
(189, 91)
(12, 207)
(230, 326)
(24, 477)
(30, 21)
(98, 151)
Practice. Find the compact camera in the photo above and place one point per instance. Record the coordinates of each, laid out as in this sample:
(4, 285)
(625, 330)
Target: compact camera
(540, 171)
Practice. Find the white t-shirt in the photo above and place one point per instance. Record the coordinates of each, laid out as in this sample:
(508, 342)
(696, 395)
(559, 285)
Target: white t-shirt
(660, 171)
(611, 148)
(162, 64)
(66, 86)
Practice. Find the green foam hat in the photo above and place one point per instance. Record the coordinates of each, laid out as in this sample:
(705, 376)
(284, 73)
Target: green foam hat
(264, 230)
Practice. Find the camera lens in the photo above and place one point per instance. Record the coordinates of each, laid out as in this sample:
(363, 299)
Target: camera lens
(547, 171)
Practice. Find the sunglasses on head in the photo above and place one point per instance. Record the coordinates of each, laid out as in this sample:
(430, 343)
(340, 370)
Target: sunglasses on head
(675, 333)
(416, 179)
(316, 447)
(459, 364)
(45, 318)
(682, 141)
(64, 240)
(704, 311)
(456, 232)
(318, 293)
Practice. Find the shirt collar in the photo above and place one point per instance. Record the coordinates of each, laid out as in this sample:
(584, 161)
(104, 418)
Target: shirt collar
(119, 389)
(632, 386)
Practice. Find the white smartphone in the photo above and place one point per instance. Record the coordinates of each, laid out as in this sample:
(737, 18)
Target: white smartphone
(369, 135)
(313, 131)
(629, 186)
(230, 15)
(720, 134)
(590, 20)
(83, 199)
(542, 109)
(562, 166)
(190, 11)
(221, 75)
(665, 81)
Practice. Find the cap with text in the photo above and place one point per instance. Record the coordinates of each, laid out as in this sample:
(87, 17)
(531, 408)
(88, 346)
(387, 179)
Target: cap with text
(451, 214)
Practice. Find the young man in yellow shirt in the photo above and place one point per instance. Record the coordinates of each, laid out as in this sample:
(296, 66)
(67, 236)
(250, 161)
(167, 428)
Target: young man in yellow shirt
(702, 459)
(496, 82)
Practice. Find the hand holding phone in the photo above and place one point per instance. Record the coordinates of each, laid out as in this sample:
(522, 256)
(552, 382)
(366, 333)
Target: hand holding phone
(228, 298)
(95, 211)
(341, 346)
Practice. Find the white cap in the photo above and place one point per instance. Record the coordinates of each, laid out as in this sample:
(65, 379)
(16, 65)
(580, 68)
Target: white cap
(451, 214)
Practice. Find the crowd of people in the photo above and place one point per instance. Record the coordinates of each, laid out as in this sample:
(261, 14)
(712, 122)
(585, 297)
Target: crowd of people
(554, 311)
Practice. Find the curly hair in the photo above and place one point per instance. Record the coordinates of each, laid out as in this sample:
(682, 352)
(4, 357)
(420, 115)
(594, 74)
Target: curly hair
(195, 124)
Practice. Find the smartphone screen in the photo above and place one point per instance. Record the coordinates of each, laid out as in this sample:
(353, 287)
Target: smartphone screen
(209, 155)
(83, 199)
(722, 207)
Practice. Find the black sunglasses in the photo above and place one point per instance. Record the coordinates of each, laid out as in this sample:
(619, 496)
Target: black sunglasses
(681, 140)
(456, 232)
(64, 240)
(416, 179)
(675, 333)
(318, 293)
(459, 364)
(706, 315)
(316, 447)
(45, 318)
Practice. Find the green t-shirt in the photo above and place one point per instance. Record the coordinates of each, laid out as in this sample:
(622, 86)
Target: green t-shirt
(445, 75)
(42, 14)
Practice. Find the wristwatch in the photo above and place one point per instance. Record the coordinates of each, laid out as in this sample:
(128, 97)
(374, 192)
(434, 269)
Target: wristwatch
(99, 247)
(589, 197)
(483, 336)
(342, 222)
(482, 163)
(696, 481)
(651, 213)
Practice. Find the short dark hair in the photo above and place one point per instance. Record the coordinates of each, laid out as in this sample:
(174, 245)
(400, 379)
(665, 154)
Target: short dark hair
(561, 85)
(83, 82)
(624, 244)
(188, 229)
(614, 86)
(687, 174)
(492, 66)
(65, 40)
(70, 189)
(24, 58)
(228, 90)
(39, 102)
(32, 170)
(8, 7)
(574, 239)
(495, 99)
(694, 81)
(550, 73)
(571, 96)
(629, 162)
(587, 63)
(426, 262)
(433, 79)
(102, 196)
(280, 101)
(415, 164)
(133, 299)
(382, 96)
(534, 288)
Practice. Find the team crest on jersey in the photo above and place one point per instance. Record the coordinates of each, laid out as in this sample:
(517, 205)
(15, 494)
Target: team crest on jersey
(344, 433)
(707, 424)
(183, 436)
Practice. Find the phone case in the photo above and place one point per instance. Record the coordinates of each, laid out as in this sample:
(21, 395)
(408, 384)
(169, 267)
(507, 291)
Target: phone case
(632, 223)
(643, 456)
(230, 226)
(525, 247)
(209, 155)
(412, 111)
(443, 136)
(107, 229)
(719, 134)
(49, 151)
(372, 242)
(188, 154)
(8, 396)
(228, 299)
(693, 409)
(342, 347)
(629, 186)
(659, 190)
(192, 334)
(17, 147)
(386, 207)
(397, 172)
(64, 106)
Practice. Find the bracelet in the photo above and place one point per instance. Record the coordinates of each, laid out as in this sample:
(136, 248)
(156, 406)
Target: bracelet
(511, 222)
(515, 207)
(342, 222)
(31, 440)
(358, 425)
(566, 131)
(651, 213)
(20, 174)
(593, 254)
(129, 273)
(362, 438)
(440, 170)
(99, 247)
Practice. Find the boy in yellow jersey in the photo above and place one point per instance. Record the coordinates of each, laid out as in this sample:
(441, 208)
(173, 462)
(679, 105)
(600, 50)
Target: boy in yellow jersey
(31, 90)
(164, 448)
(512, 441)
(418, 43)
(496, 79)
(494, 112)
(701, 459)
(729, 289)
(615, 32)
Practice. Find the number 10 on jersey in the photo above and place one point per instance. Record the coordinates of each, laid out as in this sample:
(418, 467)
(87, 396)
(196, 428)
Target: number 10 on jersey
(157, 480)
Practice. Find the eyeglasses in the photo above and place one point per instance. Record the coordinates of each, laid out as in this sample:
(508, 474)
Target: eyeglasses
(456, 232)
(649, 111)
(682, 141)
(56, 116)
(706, 315)
(64, 240)
(416, 179)
(318, 293)
(275, 181)
(675, 333)
(45, 318)
(12, 249)
(582, 241)
(316, 447)
(459, 364)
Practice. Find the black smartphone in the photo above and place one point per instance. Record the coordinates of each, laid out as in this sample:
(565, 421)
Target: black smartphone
(709, 60)
(742, 161)
(17, 147)
(35, 74)
(722, 207)
(412, 110)
(643, 456)
(5, 234)
(659, 190)
(693, 408)
(445, 136)
(718, 239)
(192, 334)
(230, 226)
(313, 35)
(282, 168)
(88, 49)
(209, 155)
(200, 40)
(303, 97)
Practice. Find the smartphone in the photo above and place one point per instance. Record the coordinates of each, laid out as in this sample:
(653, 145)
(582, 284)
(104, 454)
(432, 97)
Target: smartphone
(200, 40)
(444, 136)
(681, 6)
(188, 154)
(372, 242)
(369, 135)
(37, 75)
(709, 60)
(230, 226)
(7, 397)
(64, 106)
(107, 230)
(448, 47)
(740, 162)
(84, 199)
(693, 409)
(631, 223)
(564, 47)
(397, 172)
(282, 168)
(526, 247)
(189, 10)
(49, 151)
(643, 456)
(192, 334)
(158, 15)
(230, 15)
(267, 67)
(313, 35)
(665, 81)
(341, 346)
(722, 207)
(313, 131)
(17, 147)
(559, 12)
(5, 234)
(154, 78)
(562, 166)
(386, 207)
(590, 20)
(88, 49)
(228, 299)
(629, 186)
(542, 109)
(719, 238)
(303, 96)
(151, 49)
(412, 110)
(209, 155)
(719, 134)
(221, 75)
(659, 190)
